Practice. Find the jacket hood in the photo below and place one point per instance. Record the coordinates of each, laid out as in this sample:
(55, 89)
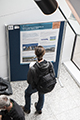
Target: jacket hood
(42, 65)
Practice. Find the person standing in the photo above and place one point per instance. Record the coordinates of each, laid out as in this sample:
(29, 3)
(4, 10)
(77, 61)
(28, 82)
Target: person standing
(32, 79)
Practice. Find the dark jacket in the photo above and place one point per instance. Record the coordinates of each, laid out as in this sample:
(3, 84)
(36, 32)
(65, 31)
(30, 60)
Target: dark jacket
(16, 113)
(43, 68)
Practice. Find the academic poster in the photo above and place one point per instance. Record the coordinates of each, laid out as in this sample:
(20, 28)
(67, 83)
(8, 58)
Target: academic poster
(32, 35)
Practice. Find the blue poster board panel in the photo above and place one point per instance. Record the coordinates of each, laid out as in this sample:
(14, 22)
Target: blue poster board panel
(19, 71)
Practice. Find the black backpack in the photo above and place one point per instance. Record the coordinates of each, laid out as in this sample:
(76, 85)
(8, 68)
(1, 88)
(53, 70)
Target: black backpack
(46, 82)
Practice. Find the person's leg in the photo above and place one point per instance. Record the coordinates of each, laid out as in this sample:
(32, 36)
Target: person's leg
(40, 102)
(28, 92)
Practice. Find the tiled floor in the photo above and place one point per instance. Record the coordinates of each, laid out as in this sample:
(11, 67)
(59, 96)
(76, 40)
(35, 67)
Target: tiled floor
(63, 103)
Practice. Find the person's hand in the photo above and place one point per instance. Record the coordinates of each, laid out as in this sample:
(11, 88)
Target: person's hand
(31, 64)
(0, 117)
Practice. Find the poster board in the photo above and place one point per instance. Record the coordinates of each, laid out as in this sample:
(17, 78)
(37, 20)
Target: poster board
(22, 40)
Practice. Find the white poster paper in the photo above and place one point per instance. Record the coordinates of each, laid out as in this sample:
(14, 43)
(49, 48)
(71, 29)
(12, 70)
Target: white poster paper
(32, 35)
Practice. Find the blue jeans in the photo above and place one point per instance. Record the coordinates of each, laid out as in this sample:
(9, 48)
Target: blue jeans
(28, 92)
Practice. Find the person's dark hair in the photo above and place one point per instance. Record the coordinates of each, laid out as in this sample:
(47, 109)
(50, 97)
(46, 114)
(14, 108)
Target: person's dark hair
(39, 52)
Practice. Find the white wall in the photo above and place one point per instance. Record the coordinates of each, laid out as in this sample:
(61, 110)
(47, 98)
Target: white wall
(19, 12)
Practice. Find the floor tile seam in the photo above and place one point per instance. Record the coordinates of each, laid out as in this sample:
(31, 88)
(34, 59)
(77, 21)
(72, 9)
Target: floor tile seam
(66, 111)
(70, 93)
(70, 97)
(62, 98)
(67, 96)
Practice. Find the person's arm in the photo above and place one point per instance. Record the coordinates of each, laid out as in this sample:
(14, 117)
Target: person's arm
(30, 77)
(0, 117)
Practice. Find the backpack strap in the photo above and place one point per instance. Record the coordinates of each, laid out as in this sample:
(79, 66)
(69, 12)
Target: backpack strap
(36, 68)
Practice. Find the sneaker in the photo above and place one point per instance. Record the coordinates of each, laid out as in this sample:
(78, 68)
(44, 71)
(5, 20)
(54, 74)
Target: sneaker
(37, 111)
(26, 111)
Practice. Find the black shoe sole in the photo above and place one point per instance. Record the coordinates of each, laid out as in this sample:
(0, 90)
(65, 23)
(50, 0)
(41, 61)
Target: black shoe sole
(37, 112)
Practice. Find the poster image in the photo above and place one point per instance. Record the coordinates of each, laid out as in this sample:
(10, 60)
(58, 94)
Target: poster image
(50, 48)
(28, 47)
(29, 59)
(27, 55)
